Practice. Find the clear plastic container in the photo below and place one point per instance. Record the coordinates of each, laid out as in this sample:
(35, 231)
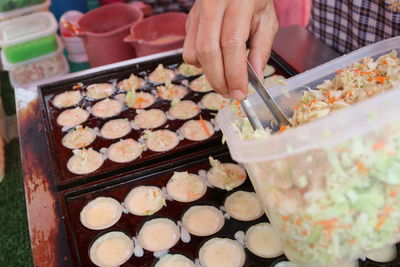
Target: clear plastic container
(27, 28)
(331, 187)
(7, 65)
(22, 8)
(38, 71)
(51, 65)
(31, 49)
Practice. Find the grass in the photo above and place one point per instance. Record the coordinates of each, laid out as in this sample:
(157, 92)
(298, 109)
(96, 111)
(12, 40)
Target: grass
(15, 247)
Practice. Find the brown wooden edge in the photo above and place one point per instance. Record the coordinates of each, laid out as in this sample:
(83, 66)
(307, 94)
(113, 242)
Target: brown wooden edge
(46, 229)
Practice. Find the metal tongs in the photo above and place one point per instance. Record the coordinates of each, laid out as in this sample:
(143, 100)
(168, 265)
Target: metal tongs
(259, 116)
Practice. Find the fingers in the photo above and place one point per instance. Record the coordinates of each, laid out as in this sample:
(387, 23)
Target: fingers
(261, 41)
(208, 51)
(234, 34)
(189, 52)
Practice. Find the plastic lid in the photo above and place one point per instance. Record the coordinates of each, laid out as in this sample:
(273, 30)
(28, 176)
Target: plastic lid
(24, 10)
(10, 66)
(27, 28)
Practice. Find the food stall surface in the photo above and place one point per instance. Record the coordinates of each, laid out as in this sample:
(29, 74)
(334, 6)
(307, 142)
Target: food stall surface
(50, 234)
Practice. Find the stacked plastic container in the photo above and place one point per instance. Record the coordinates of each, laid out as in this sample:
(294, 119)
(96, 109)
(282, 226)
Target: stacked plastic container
(15, 8)
(31, 49)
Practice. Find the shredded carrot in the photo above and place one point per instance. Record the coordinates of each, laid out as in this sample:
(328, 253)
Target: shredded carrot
(296, 107)
(285, 218)
(304, 232)
(282, 128)
(370, 79)
(204, 126)
(340, 72)
(361, 168)
(352, 241)
(327, 223)
(378, 145)
(298, 221)
(155, 194)
(381, 221)
(380, 79)
(393, 193)
(77, 86)
(388, 209)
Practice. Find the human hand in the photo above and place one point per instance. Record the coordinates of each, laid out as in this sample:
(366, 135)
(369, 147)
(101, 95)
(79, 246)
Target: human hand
(216, 35)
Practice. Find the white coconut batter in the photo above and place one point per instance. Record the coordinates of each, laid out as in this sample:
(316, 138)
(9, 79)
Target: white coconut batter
(139, 100)
(67, 99)
(214, 101)
(115, 128)
(124, 151)
(150, 119)
(203, 220)
(197, 130)
(78, 138)
(169, 91)
(111, 249)
(144, 200)
(268, 70)
(174, 260)
(158, 234)
(222, 252)
(243, 206)
(107, 108)
(72, 117)
(184, 110)
(101, 213)
(186, 187)
(201, 85)
(274, 80)
(189, 70)
(262, 240)
(226, 176)
(161, 74)
(161, 140)
(385, 254)
(132, 83)
(85, 161)
(100, 90)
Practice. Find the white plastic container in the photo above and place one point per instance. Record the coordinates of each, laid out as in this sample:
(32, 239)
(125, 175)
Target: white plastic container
(74, 44)
(27, 28)
(327, 187)
(25, 10)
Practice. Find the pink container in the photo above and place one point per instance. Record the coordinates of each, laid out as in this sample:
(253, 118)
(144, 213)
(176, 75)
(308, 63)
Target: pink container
(106, 2)
(104, 31)
(158, 33)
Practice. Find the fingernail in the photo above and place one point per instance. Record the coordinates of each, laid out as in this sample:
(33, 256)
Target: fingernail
(238, 95)
(226, 95)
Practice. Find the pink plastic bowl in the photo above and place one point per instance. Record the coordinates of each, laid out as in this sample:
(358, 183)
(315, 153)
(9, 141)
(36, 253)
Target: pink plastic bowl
(104, 30)
(158, 33)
